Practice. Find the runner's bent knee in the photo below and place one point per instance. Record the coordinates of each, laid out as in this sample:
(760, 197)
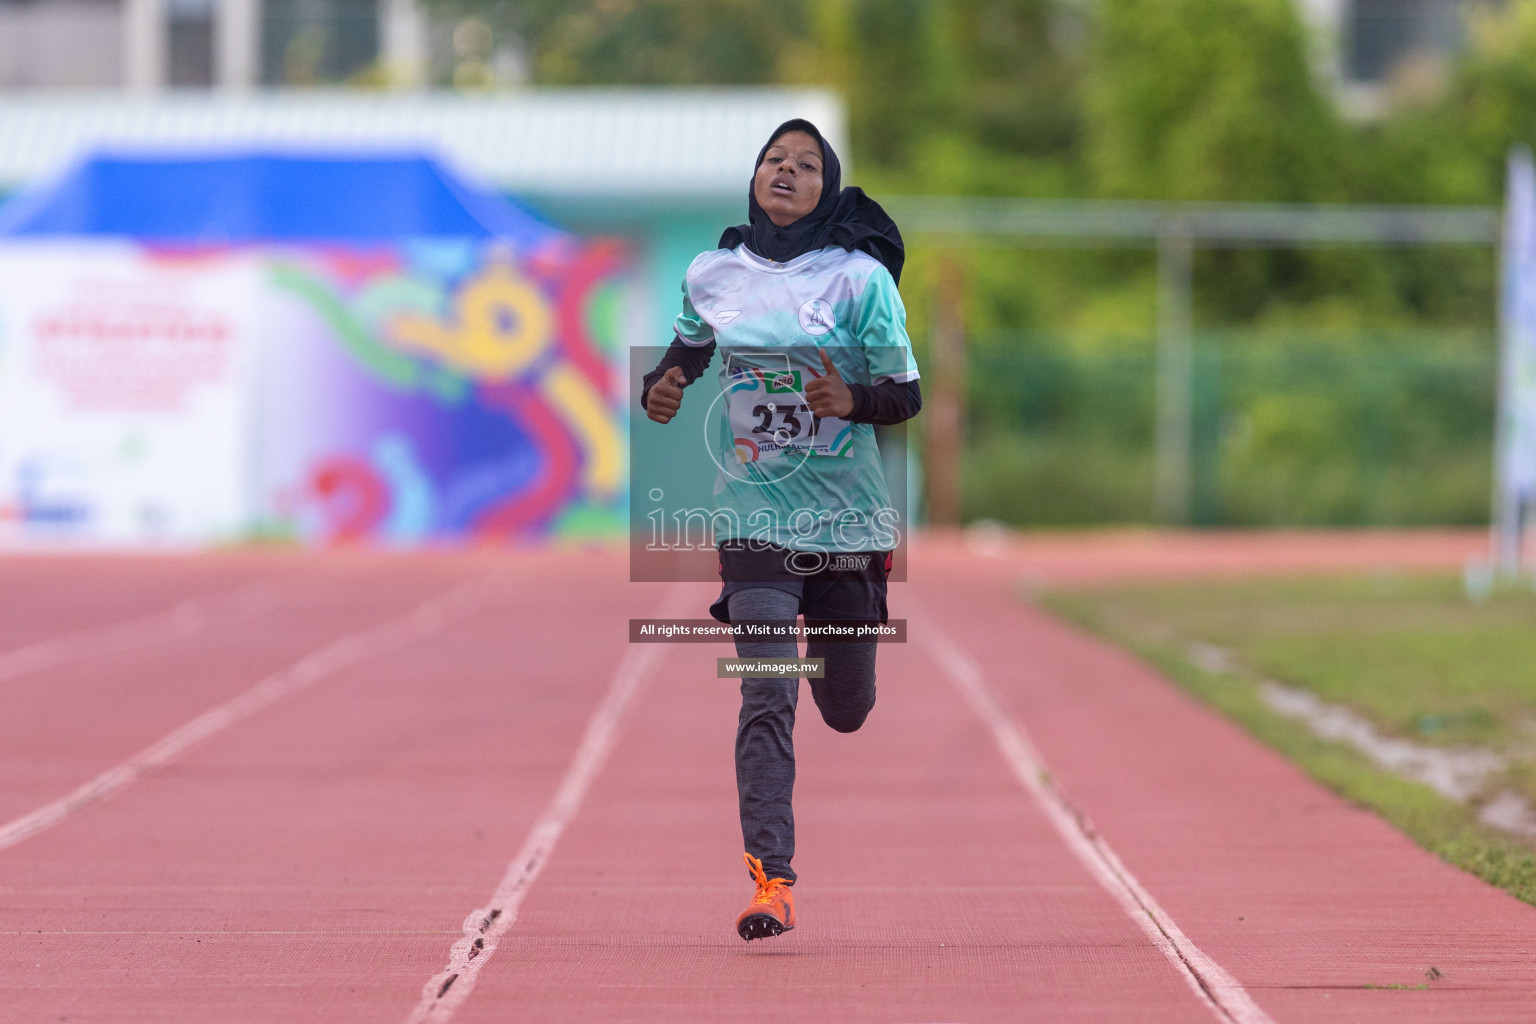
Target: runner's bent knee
(845, 694)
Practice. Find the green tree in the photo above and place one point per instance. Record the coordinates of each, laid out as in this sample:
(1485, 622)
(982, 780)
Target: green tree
(989, 79)
(950, 95)
(643, 42)
(1018, 75)
(660, 42)
(1208, 99)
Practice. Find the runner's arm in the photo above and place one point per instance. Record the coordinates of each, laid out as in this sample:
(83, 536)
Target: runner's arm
(693, 360)
(693, 343)
(881, 327)
(886, 403)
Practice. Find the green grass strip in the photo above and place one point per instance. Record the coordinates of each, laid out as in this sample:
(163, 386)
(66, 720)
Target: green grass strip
(1442, 826)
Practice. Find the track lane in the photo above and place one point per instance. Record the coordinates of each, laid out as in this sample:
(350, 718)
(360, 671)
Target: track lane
(932, 889)
(123, 635)
(1315, 906)
(379, 640)
(486, 924)
(1211, 983)
(66, 723)
(312, 863)
(48, 597)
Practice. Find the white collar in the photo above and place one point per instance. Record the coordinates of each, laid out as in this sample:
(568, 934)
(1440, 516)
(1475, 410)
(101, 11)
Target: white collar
(757, 262)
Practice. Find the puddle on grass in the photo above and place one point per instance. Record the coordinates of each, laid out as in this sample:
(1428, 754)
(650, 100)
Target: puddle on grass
(1456, 773)
(1509, 813)
(1213, 659)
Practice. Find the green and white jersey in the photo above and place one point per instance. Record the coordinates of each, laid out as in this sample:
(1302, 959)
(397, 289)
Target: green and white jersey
(787, 477)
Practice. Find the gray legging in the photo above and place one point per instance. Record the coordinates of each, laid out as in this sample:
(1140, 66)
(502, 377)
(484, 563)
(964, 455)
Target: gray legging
(765, 744)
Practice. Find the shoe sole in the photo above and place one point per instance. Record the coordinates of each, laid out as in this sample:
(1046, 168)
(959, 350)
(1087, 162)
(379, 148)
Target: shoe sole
(761, 926)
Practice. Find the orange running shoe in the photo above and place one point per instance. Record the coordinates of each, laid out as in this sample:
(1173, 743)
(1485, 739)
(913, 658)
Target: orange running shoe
(773, 908)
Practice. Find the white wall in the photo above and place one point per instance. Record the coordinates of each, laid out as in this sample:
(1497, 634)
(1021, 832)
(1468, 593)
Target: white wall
(61, 44)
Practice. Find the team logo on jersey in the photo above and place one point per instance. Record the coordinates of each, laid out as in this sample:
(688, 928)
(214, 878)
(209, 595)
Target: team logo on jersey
(727, 316)
(782, 383)
(816, 317)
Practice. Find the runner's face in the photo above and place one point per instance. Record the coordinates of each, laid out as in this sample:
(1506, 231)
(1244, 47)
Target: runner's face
(787, 184)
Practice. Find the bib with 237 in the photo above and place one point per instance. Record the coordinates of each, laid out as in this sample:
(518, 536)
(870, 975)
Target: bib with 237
(769, 415)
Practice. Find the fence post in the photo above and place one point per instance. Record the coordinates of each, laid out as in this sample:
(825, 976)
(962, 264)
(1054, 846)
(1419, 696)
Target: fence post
(1205, 437)
(945, 409)
(1175, 367)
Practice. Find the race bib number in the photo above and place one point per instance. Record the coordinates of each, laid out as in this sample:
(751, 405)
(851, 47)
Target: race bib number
(770, 418)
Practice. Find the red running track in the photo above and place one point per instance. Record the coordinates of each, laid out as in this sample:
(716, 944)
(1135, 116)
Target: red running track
(315, 855)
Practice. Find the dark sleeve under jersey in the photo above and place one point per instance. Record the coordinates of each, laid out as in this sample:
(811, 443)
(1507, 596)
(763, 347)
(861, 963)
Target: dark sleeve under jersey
(693, 360)
(886, 403)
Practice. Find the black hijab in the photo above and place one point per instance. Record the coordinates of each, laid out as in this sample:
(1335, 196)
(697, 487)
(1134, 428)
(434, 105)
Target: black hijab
(844, 217)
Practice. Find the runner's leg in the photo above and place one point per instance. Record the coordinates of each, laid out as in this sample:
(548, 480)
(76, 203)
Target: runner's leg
(846, 692)
(765, 746)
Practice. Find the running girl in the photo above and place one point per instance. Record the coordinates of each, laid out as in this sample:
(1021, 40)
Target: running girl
(802, 303)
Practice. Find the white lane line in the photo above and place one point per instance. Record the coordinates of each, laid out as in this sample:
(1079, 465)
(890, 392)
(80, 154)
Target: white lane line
(447, 990)
(174, 623)
(427, 618)
(1222, 994)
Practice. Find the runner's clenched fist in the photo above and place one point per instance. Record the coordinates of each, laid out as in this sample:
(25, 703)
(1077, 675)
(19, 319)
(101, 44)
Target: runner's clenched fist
(666, 396)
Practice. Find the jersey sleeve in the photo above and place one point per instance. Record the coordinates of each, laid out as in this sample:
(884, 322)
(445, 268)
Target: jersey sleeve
(690, 327)
(881, 327)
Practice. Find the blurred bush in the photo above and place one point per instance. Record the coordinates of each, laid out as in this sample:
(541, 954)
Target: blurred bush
(1208, 99)
(1387, 429)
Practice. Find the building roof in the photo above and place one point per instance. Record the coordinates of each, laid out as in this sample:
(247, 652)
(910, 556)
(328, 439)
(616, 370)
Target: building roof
(609, 143)
(260, 197)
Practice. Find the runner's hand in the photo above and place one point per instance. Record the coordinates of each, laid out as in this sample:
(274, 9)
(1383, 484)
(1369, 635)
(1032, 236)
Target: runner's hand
(666, 395)
(828, 396)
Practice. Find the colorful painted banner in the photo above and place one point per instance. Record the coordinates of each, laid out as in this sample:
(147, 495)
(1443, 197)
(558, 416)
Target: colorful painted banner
(442, 391)
(417, 393)
(124, 399)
